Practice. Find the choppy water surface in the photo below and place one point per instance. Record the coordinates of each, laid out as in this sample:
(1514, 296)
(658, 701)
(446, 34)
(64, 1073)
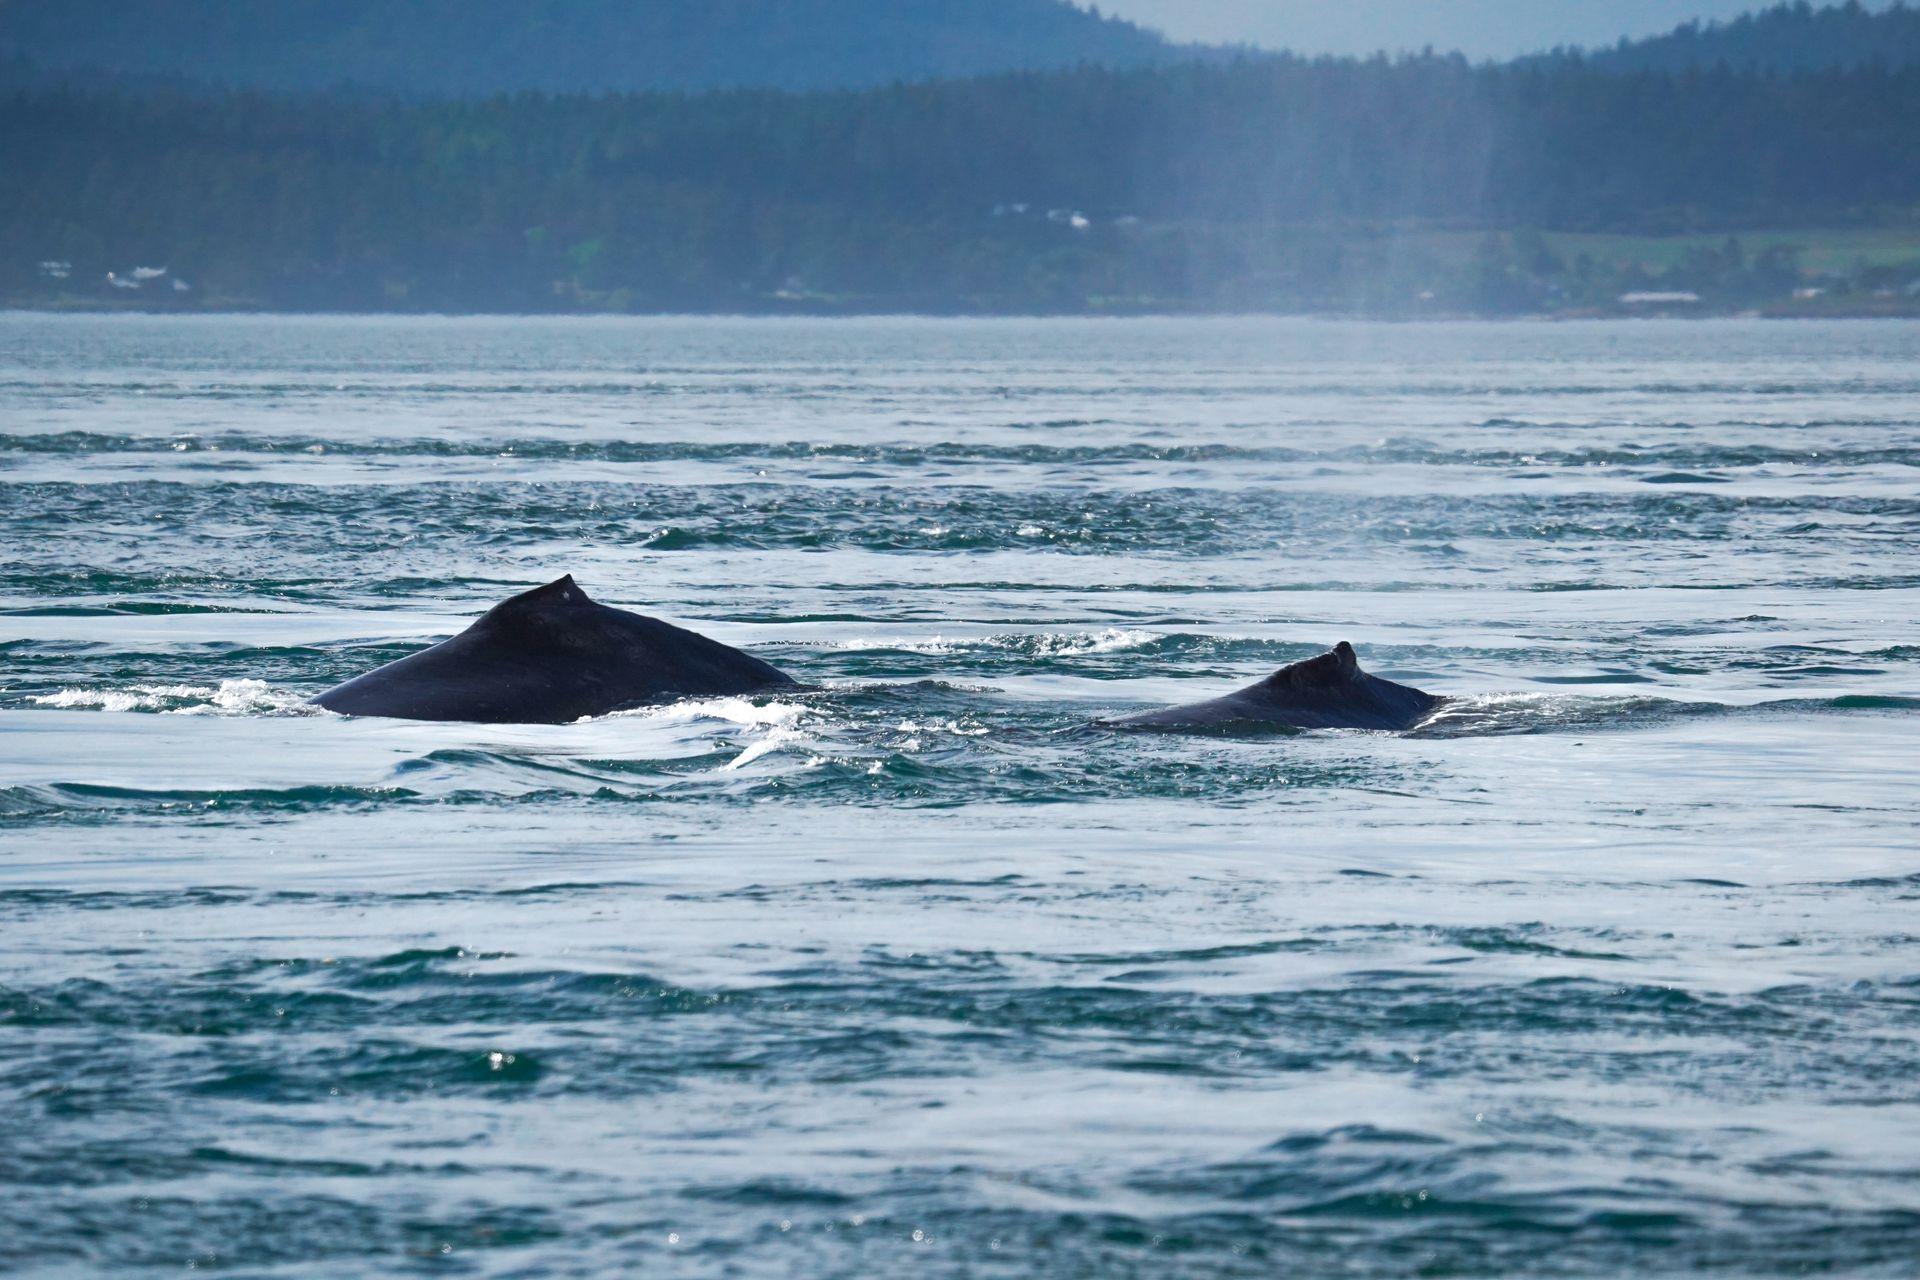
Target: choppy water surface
(1613, 969)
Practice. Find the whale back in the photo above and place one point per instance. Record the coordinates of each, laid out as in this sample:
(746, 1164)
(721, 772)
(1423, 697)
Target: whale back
(1325, 692)
(549, 656)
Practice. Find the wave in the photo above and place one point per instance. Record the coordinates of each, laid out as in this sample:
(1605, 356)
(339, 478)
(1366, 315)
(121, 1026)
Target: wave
(732, 710)
(1677, 457)
(1498, 715)
(228, 697)
(1028, 644)
(783, 722)
(851, 705)
(883, 746)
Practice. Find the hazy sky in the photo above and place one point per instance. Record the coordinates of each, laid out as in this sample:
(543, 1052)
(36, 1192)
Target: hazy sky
(1481, 28)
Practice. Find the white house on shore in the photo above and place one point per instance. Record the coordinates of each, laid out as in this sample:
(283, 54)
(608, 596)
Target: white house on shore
(1660, 298)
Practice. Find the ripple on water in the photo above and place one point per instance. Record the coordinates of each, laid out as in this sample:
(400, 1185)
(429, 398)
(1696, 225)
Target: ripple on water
(1605, 970)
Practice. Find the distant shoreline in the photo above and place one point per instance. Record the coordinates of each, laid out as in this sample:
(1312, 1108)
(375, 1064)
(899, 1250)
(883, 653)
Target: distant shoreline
(1909, 311)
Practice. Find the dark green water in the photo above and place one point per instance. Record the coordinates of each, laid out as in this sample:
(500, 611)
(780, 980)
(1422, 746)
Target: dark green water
(1611, 970)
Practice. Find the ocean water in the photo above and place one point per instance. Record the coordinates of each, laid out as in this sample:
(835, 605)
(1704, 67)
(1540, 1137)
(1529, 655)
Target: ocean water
(1612, 969)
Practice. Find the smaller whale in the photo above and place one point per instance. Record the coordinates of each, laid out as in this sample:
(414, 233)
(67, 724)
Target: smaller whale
(550, 656)
(1327, 692)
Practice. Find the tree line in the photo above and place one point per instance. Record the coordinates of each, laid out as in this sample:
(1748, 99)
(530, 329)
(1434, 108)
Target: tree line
(1269, 182)
(473, 48)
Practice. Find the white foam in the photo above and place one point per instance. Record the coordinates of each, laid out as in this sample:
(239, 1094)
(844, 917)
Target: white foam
(740, 711)
(229, 697)
(1459, 706)
(1042, 644)
(774, 740)
(105, 699)
(1112, 640)
(781, 720)
(942, 726)
(932, 644)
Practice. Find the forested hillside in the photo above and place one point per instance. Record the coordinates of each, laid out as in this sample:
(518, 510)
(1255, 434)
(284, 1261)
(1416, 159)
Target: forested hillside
(1786, 37)
(477, 48)
(463, 48)
(1276, 183)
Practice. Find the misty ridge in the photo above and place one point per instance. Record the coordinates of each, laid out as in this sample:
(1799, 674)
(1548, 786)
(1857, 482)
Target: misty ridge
(1010, 156)
(465, 48)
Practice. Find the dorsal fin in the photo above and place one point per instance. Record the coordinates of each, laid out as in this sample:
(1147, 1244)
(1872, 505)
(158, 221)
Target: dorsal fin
(562, 591)
(1338, 664)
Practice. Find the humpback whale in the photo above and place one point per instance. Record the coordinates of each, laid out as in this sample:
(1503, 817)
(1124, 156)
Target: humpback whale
(549, 656)
(1327, 692)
